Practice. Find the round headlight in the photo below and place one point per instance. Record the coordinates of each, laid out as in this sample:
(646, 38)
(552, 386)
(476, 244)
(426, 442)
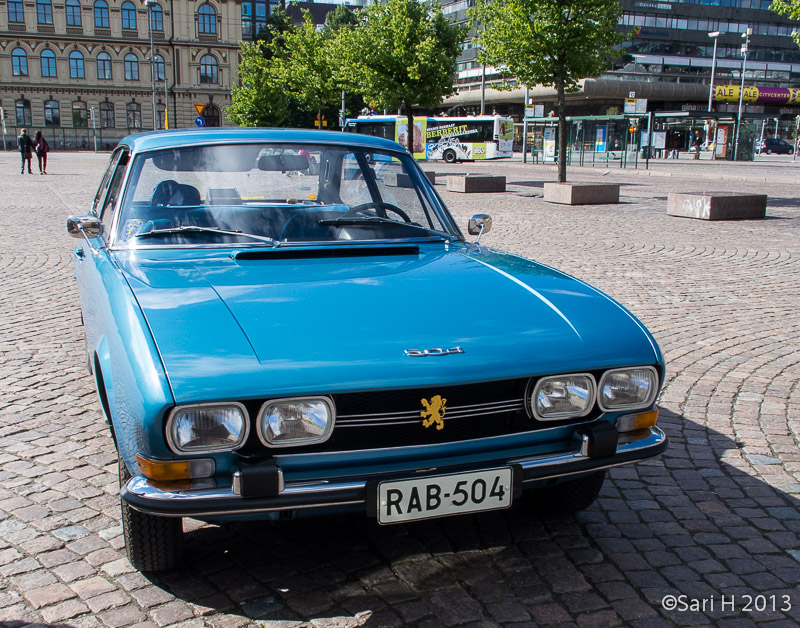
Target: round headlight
(296, 421)
(628, 388)
(207, 428)
(563, 397)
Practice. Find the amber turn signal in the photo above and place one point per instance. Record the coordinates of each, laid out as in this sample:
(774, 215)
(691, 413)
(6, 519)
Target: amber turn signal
(638, 421)
(168, 470)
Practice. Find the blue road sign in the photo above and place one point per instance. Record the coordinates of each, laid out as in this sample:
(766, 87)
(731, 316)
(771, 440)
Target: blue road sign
(200, 121)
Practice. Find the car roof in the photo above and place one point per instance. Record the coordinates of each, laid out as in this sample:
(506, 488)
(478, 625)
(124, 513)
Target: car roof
(154, 140)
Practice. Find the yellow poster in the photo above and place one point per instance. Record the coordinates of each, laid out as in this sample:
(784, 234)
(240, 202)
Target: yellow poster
(420, 128)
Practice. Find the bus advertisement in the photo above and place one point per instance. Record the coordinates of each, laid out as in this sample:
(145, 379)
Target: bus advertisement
(450, 139)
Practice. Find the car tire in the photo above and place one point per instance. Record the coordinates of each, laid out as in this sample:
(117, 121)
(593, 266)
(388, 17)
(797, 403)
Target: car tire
(567, 497)
(449, 156)
(151, 543)
(769, 151)
(791, 151)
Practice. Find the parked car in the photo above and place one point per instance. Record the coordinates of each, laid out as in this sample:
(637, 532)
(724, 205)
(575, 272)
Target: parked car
(771, 145)
(286, 323)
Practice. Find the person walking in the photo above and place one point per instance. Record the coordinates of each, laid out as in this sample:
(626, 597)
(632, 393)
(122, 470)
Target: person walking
(25, 146)
(42, 148)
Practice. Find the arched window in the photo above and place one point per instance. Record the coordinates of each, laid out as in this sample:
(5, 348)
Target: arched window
(73, 13)
(104, 66)
(44, 12)
(128, 16)
(76, 65)
(133, 112)
(159, 68)
(209, 72)
(48, 63)
(79, 115)
(131, 67)
(211, 114)
(16, 12)
(52, 113)
(22, 109)
(207, 20)
(107, 115)
(101, 14)
(156, 18)
(19, 62)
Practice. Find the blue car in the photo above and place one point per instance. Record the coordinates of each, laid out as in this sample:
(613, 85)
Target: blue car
(284, 323)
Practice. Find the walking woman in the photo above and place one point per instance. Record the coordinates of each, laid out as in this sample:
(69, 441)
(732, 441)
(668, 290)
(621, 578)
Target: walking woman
(42, 149)
(25, 146)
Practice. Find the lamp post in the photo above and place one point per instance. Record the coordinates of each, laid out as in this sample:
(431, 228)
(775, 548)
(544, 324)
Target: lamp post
(149, 4)
(746, 36)
(715, 35)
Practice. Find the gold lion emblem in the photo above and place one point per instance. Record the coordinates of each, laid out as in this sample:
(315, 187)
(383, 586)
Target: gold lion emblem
(433, 412)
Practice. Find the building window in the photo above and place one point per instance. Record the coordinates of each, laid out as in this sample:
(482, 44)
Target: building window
(208, 70)
(254, 17)
(76, 65)
(48, 63)
(106, 115)
(207, 19)
(79, 115)
(134, 115)
(162, 114)
(19, 62)
(156, 18)
(44, 12)
(159, 68)
(131, 67)
(101, 14)
(52, 113)
(104, 66)
(128, 16)
(16, 12)
(22, 109)
(73, 13)
(211, 114)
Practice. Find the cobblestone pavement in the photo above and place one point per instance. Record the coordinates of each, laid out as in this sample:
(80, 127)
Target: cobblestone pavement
(714, 521)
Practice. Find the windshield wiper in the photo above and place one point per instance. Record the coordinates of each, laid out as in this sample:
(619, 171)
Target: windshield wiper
(195, 229)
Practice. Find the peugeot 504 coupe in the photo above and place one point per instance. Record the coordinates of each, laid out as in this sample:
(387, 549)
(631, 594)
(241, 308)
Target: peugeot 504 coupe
(284, 323)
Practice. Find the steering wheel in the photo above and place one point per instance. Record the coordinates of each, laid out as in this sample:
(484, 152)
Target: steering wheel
(378, 206)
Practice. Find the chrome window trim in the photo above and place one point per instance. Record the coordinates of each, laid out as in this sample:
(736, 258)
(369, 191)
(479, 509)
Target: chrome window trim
(644, 405)
(194, 452)
(261, 428)
(562, 415)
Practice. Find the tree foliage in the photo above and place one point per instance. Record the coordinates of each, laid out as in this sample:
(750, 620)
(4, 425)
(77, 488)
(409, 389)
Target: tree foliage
(550, 42)
(258, 98)
(402, 53)
(790, 9)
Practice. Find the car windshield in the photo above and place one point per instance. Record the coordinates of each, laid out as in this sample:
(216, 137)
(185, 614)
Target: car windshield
(252, 194)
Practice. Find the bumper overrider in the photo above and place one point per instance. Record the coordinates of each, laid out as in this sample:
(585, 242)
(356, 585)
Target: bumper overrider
(261, 488)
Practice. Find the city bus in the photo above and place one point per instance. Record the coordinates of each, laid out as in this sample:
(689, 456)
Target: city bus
(448, 138)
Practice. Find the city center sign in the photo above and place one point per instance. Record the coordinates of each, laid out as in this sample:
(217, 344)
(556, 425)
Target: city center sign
(760, 95)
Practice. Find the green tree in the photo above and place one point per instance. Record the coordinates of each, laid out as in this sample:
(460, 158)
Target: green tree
(340, 17)
(401, 54)
(258, 98)
(550, 42)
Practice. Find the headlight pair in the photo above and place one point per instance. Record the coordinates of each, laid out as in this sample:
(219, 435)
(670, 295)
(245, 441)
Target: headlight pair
(573, 395)
(217, 427)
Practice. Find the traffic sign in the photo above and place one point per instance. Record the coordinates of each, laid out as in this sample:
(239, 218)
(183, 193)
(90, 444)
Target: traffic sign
(200, 121)
(200, 109)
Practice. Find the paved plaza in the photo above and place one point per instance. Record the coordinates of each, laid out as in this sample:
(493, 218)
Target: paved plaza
(706, 535)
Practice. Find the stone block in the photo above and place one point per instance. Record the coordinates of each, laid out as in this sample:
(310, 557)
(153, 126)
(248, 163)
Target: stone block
(475, 183)
(581, 193)
(717, 205)
(402, 180)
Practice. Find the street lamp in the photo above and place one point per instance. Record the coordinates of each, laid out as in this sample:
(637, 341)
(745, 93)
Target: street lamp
(746, 36)
(715, 35)
(150, 4)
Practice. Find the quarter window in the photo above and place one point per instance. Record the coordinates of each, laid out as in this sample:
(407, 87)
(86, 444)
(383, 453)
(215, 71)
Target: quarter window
(48, 63)
(73, 13)
(76, 65)
(131, 67)
(101, 14)
(207, 18)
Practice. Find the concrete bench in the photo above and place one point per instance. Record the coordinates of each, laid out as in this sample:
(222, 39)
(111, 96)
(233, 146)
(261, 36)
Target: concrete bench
(581, 193)
(475, 183)
(402, 180)
(717, 206)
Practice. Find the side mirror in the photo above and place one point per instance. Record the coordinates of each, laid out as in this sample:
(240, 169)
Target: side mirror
(84, 226)
(478, 225)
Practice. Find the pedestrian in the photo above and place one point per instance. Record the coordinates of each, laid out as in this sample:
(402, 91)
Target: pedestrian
(25, 146)
(42, 148)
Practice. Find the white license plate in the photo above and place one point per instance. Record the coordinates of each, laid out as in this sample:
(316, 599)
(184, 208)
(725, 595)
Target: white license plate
(439, 496)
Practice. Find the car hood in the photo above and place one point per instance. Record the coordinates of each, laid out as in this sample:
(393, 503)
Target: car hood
(243, 328)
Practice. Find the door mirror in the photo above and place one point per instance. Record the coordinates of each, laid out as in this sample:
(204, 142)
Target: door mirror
(478, 225)
(84, 226)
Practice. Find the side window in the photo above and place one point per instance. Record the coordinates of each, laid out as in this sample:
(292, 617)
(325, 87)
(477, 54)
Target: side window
(109, 206)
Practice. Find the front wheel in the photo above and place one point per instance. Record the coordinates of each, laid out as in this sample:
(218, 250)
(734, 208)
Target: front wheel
(567, 497)
(151, 543)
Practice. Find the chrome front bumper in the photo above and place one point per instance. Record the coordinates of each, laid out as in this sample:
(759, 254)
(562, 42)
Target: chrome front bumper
(143, 496)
